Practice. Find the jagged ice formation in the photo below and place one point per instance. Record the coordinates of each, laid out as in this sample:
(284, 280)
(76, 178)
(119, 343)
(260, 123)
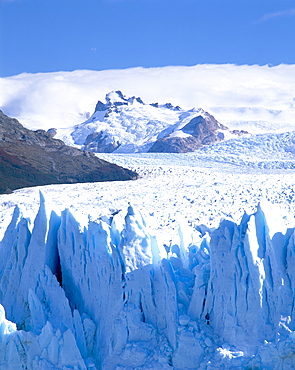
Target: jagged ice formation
(107, 296)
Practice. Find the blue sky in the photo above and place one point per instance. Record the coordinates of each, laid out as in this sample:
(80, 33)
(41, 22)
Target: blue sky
(65, 35)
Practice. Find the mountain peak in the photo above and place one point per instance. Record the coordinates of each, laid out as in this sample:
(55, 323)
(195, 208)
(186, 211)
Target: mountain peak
(126, 124)
(115, 99)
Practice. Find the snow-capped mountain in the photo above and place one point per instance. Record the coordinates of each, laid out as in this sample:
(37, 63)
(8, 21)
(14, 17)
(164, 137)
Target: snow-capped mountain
(125, 125)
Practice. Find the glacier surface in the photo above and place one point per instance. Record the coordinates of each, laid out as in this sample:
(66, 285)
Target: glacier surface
(108, 295)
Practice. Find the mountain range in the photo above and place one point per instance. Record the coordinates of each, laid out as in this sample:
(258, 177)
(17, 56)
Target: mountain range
(126, 124)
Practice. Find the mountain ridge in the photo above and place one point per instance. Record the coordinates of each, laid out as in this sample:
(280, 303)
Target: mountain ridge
(126, 124)
(31, 158)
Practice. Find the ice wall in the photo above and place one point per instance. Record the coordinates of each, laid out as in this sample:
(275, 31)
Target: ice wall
(106, 296)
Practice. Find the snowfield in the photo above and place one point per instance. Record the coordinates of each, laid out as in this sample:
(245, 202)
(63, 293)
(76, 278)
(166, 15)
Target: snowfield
(172, 189)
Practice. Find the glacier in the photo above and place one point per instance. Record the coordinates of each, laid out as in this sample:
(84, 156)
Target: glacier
(108, 295)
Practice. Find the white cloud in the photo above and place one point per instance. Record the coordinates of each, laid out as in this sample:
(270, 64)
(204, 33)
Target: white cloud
(58, 99)
(285, 13)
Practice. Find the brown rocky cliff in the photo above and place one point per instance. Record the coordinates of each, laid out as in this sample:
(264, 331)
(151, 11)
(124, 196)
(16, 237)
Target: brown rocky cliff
(31, 158)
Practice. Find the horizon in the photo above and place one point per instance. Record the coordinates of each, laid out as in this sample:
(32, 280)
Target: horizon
(267, 65)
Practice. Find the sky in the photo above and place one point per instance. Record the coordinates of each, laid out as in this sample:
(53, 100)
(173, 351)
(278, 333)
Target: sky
(66, 35)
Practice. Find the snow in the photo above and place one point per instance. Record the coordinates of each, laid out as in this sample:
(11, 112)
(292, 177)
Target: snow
(179, 133)
(136, 126)
(122, 303)
(114, 97)
(109, 295)
(190, 266)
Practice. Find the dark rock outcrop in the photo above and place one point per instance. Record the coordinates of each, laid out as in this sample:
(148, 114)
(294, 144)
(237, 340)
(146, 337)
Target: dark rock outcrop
(175, 145)
(52, 132)
(202, 127)
(114, 100)
(31, 158)
(100, 142)
(200, 131)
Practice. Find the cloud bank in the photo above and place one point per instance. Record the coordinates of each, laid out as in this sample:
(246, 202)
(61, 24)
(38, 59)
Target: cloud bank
(230, 92)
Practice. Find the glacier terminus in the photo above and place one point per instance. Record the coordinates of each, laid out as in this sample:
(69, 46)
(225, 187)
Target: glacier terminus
(109, 296)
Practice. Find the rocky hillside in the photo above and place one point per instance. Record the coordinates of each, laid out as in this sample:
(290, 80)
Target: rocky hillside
(199, 131)
(31, 158)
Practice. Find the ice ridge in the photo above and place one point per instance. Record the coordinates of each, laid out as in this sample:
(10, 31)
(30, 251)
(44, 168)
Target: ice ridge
(107, 296)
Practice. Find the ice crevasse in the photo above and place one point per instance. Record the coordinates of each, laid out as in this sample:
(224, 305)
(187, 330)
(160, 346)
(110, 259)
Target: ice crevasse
(107, 296)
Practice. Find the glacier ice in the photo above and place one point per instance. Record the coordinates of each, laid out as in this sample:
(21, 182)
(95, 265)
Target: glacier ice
(107, 296)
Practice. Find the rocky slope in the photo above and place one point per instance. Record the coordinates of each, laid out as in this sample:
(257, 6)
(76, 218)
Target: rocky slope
(31, 158)
(199, 131)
